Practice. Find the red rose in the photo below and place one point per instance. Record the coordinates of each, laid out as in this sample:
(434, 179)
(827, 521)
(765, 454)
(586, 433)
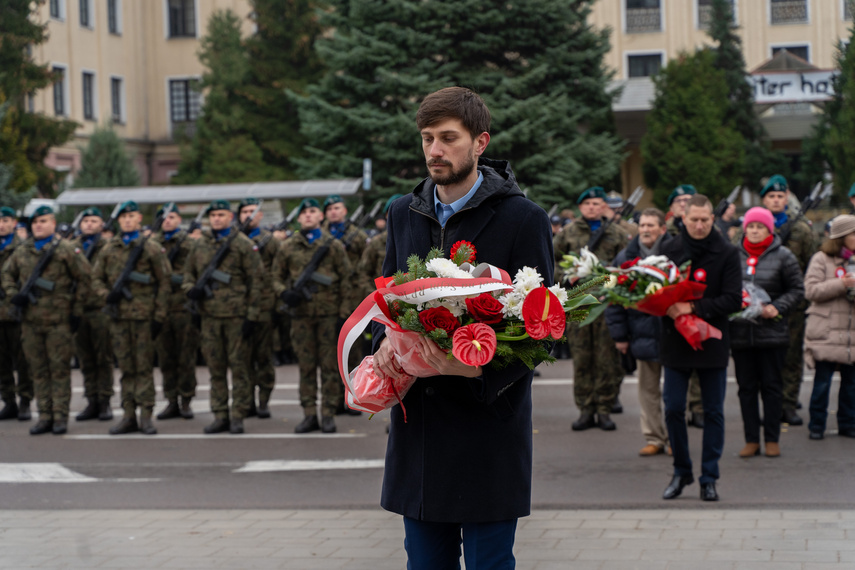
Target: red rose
(485, 309)
(629, 263)
(439, 318)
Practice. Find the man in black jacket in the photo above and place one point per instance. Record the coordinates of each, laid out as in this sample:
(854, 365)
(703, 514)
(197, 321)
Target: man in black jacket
(461, 462)
(716, 263)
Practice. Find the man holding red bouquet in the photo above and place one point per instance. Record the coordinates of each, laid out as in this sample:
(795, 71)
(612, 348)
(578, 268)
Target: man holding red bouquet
(716, 263)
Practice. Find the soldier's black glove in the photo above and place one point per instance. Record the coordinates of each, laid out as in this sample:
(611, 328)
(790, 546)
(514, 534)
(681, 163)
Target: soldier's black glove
(113, 297)
(247, 329)
(291, 298)
(74, 323)
(19, 300)
(196, 293)
(156, 327)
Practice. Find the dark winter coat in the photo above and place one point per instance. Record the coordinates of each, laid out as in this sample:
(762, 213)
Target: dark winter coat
(722, 297)
(778, 273)
(465, 453)
(641, 330)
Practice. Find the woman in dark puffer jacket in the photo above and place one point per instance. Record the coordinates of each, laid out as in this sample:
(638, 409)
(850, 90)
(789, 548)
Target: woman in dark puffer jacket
(758, 347)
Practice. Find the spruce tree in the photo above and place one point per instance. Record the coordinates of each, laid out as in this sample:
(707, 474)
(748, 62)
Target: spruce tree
(538, 64)
(17, 173)
(688, 139)
(105, 164)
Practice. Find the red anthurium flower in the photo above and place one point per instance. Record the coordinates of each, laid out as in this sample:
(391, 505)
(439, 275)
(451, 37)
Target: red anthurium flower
(474, 345)
(462, 252)
(543, 314)
(629, 263)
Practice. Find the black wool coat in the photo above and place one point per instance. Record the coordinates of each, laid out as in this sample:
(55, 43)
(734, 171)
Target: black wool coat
(465, 452)
(722, 297)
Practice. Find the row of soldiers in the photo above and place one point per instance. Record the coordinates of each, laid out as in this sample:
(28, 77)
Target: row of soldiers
(597, 370)
(223, 290)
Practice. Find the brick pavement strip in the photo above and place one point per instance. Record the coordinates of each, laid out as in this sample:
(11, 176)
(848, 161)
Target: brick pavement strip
(664, 539)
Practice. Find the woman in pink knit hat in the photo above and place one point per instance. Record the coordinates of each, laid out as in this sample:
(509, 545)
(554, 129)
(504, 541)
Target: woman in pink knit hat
(759, 345)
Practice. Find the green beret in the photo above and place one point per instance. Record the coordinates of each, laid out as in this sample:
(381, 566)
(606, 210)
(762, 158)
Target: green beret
(681, 190)
(332, 199)
(776, 183)
(391, 199)
(41, 211)
(167, 209)
(7, 212)
(592, 192)
(247, 202)
(219, 205)
(92, 211)
(129, 206)
(852, 191)
(308, 203)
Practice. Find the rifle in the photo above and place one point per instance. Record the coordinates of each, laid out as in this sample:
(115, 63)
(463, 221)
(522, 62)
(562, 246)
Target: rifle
(110, 224)
(120, 285)
(552, 210)
(72, 229)
(726, 202)
(194, 225)
(310, 273)
(36, 280)
(370, 215)
(283, 225)
(627, 209)
(812, 200)
(211, 272)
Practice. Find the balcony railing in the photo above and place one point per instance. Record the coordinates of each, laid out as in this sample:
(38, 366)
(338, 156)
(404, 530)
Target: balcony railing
(789, 11)
(705, 14)
(643, 20)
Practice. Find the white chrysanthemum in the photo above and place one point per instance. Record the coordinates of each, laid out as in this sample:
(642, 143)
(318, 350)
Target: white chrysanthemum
(512, 305)
(527, 274)
(652, 288)
(446, 268)
(610, 284)
(559, 292)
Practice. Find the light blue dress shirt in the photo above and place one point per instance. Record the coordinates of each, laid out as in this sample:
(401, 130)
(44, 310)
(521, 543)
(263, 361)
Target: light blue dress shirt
(444, 211)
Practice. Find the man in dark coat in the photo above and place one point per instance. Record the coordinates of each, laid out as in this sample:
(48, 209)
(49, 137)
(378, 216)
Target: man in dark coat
(714, 262)
(461, 463)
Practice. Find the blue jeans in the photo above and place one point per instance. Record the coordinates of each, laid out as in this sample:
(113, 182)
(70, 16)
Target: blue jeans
(845, 396)
(713, 385)
(436, 546)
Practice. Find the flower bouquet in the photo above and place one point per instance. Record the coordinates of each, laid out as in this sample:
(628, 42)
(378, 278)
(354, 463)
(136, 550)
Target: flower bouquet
(754, 298)
(475, 313)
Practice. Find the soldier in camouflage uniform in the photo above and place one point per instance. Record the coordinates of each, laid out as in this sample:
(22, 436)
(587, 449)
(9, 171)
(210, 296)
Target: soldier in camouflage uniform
(370, 265)
(136, 321)
(92, 339)
(614, 201)
(597, 372)
(11, 351)
(262, 374)
(229, 316)
(48, 325)
(178, 342)
(316, 320)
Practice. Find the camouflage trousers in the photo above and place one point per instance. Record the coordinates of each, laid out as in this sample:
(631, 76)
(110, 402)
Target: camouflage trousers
(223, 347)
(261, 370)
(12, 358)
(176, 354)
(95, 352)
(315, 343)
(134, 349)
(48, 349)
(794, 362)
(597, 372)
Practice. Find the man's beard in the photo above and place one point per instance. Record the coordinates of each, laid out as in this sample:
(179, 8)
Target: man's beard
(454, 176)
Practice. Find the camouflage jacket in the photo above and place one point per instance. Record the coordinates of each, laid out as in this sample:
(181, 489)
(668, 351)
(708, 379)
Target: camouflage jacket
(241, 296)
(267, 246)
(575, 236)
(371, 264)
(354, 241)
(150, 299)
(334, 299)
(673, 226)
(177, 298)
(67, 266)
(92, 301)
(5, 254)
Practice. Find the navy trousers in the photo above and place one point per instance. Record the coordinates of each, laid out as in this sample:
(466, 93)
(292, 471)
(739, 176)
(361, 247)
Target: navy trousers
(436, 546)
(713, 383)
(820, 395)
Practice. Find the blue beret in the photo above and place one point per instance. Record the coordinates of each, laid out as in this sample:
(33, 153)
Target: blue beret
(167, 209)
(308, 203)
(129, 206)
(92, 211)
(592, 192)
(7, 212)
(41, 211)
(219, 205)
(249, 201)
(776, 183)
(332, 199)
(681, 190)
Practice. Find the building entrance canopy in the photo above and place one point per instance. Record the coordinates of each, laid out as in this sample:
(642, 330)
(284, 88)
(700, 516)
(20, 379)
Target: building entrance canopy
(787, 78)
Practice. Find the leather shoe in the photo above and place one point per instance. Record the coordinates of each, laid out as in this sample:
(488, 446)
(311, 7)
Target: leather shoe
(127, 425)
(773, 449)
(750, 450)
(328, 424)
(708, 492)
(605, 422)
(792, 418)
(43, 426)
(219, 425)
(697, 420)
(90, 412)
(846, 432)
(309, 423)
(617, 407)
(186, 411)
(170, 411)
(651, 449)
(236, 426)
(586, 420)
(60, 427)
(816, 435)
(675, 487)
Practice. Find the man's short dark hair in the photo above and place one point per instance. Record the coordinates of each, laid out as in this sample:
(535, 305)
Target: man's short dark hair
(655, 212)
(699, 201)
(455, 103)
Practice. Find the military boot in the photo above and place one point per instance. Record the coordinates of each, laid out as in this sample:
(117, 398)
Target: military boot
(236, 426)
(127, 425)
(263, 408)
(43, 426)
(186, 410)
(309, 423)
(253, 411)
(60, 427)
(90, 412)
(105, 412)
(328, 424)
(24, 414)
(170, 411)
(10, 410)
(219, 425)
(146, 426)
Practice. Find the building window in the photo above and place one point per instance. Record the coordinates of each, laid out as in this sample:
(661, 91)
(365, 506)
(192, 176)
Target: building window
(185, 105)
(798, 51)
(789, 11)
(644, 65)
(114, 16)
(643, 16)
(116, 98)
(60, 109)
(705, 13)
(182, 18)
(31, 102)
(847, 10)
(88, 96)
(85, 14)
(57, 10)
